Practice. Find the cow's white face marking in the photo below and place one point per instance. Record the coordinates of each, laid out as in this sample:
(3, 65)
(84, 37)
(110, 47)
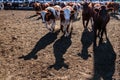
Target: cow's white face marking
(50, 25)
(67, 14)
(43, 13)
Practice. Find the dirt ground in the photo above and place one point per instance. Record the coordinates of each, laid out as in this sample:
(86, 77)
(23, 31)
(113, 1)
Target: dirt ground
(29, 52)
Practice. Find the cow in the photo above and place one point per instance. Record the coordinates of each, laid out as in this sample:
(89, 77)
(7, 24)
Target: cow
(66, 16)
(37, 7)
(44, 6)
(87, 13)
(40, 6)
(62, 4)
(114, 6)
(49, 16)
(76, 8)
(101, 19)
(15, 5)
(7, 5)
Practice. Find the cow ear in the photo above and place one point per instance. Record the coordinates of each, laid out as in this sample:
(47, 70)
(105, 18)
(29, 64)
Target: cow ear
(97, 10)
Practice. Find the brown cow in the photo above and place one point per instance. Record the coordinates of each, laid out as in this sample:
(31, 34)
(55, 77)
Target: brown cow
(44, 6)
(40, 6)
(7, 5)
(87, 13)
(62, 4)
(49, 16)
(101, 19)
(37, 7)
(113, 5)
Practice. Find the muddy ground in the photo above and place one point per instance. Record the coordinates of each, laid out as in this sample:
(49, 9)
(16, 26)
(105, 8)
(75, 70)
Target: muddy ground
(29, 52)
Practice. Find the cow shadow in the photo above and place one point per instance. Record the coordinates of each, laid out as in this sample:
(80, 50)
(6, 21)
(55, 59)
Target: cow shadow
(39, 18)
(60, 47)
(87, 40)
(104, 61)
(32, 16)
(41, 44)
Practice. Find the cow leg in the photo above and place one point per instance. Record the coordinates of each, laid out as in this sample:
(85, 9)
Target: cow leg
(53, 26)
(75, 15)
(61, 28)
(101, 37)
(71, 28)
(99, 31)
(83, 23)
(87, 23)
(95, 36)
(92, 23)
(67, 32)
(47, 26)
(105, 33)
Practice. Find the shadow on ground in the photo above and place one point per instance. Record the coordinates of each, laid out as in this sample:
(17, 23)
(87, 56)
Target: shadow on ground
(60, 48)
(104, 61)
(87, 40)
(41, 44)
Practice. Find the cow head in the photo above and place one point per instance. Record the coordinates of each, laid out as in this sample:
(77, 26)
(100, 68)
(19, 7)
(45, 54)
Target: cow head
(85, 4)
(44, 15)
(66, 14)
(103, 10)
(75, 7)
(102, 13)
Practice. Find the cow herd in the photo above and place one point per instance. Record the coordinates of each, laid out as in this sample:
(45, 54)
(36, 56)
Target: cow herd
(67, 12)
